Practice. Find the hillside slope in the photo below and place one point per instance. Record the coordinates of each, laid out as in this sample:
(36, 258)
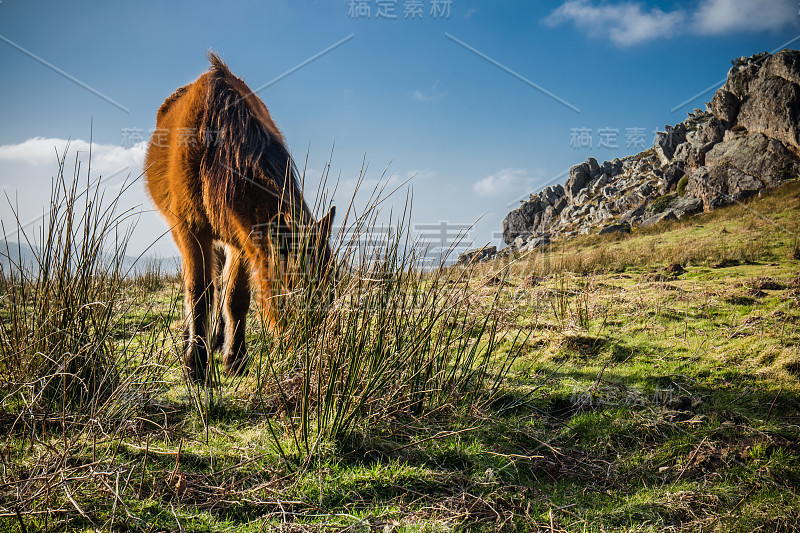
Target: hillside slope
(657, 388)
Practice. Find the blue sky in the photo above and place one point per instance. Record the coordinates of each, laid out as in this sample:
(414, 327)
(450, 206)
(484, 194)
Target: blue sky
(426, 96)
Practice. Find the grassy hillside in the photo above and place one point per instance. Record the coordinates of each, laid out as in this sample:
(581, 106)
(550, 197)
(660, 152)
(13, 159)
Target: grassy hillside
(648, 382)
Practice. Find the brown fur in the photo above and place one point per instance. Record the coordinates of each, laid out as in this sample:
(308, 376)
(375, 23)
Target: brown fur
(220, 173)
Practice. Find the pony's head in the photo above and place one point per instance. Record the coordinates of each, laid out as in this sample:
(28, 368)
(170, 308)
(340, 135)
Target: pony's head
(297, 263)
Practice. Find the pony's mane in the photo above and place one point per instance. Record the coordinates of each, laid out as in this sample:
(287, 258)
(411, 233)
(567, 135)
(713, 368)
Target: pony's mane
(242, 153)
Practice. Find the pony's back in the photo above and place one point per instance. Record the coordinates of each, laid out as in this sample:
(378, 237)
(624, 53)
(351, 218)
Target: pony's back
(217, 153)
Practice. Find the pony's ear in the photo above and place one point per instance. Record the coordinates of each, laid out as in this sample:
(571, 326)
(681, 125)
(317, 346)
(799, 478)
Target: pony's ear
(325, 225)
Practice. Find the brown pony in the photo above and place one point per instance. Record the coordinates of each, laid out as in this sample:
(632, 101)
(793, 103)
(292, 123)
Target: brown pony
(219, 171)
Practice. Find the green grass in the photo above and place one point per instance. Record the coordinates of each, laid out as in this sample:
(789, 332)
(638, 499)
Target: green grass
(617, 394)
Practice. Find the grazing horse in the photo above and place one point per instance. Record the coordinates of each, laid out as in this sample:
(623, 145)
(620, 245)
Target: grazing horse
(220, 173)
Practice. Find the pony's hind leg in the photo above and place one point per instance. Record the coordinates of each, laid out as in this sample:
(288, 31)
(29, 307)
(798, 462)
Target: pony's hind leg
(218, 320)
(236, 303)
(197, 255)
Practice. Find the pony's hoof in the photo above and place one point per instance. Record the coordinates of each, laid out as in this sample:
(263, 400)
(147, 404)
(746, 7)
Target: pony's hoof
(196, 363)
(196, 377)
(236, 368)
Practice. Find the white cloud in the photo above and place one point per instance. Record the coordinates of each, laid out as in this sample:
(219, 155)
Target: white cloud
(625, 23)
(432, 94)
(106, 158)
(628, 23)
(507, 182)
(714, 17)
(419, 96)
(27, 169)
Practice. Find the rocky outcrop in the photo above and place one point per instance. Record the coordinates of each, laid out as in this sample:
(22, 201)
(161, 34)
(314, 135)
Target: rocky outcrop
(660, 217)
(580, 176)
(477, 255)
(741, 167)
(536, 215)
(615, 228)
(747, 140)
(725, 106)
(668, 140)
(764, 96)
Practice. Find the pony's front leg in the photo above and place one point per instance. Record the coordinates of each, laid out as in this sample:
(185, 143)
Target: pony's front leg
(197, 255)
(271, 298)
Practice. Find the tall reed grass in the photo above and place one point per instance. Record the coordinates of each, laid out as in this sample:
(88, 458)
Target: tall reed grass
(380, 336)
(71, 377)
